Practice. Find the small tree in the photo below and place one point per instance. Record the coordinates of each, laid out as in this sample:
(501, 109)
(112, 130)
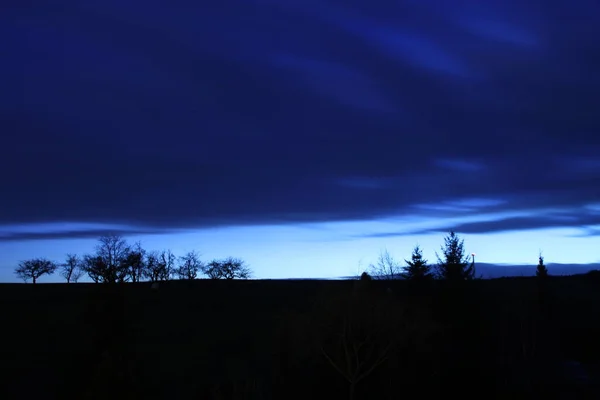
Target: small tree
(454, 264)
(35, 268)
(386, 267)
(541, 270)
(417, 268)
(189, 266)
(229, 268)
(71, 269)
(365, 276)
(357, 334)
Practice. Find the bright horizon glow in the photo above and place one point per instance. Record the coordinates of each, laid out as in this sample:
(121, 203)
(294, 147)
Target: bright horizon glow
(325, 250)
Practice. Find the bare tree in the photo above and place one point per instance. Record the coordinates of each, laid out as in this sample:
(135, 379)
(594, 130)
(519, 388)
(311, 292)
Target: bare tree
(34, 268)
(109, 263)
(167, 262)
(160, 265)
(135, 262)
(189, 266)
(357, 333)
(95, 268)
(229, 268)
(386, 267)
(151, 270)
(71, 269)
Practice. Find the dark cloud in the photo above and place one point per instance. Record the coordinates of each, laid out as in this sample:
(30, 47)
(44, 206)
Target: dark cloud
(198, 115)
(519, 223)
(584, 219)
(73, 234)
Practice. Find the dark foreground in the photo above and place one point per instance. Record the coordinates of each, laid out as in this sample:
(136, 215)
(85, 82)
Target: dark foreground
(301, 340)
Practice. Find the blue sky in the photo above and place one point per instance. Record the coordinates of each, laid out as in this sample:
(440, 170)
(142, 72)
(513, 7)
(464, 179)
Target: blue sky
(302, 136)
(329, 250)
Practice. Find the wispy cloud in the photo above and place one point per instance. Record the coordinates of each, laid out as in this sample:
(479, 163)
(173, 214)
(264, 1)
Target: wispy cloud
(459, 165)
(344, 84)
(365, 183)
(499, 30)
(525, 223)
(461, 205)
(417, 50)
(480, 221)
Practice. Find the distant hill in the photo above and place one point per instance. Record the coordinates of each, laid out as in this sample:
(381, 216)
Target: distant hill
(500, 270)
(487, 270)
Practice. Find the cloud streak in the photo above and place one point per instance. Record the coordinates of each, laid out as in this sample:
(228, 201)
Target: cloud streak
(587, 222)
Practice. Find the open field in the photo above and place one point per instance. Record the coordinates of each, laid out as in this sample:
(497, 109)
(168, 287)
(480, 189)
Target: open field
(265, 339)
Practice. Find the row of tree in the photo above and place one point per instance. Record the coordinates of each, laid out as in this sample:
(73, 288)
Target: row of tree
(452, 264)
(115, 260)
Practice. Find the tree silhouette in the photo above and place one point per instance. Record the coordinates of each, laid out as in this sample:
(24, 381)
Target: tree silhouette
(189, 266)
(135, 263)
(109, 263)
(34, 268)
(99, 271)
(229, 268)
(71, 268)
(417, 267)
(159, 265)
(541, 270)
(454, 264)
(386, 267)
(356, 334)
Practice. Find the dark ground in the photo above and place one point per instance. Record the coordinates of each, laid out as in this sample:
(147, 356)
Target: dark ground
(512, 337)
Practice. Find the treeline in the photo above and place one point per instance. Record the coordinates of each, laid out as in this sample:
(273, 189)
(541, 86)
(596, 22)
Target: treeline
(115, 261)
(453, 264)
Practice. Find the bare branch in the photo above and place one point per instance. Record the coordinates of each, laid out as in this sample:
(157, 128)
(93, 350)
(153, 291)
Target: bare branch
(189, 266)
(34, 269)
(334, 365)
(386, 268)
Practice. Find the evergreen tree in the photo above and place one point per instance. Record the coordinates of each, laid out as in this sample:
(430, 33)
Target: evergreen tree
(541, 271)
(454, 264)
(417, 268)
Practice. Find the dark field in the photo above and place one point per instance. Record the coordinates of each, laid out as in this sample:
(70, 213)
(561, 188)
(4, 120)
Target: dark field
(268, 339)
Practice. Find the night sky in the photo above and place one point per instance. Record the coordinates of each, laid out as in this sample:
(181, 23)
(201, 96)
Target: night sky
(303, 136)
